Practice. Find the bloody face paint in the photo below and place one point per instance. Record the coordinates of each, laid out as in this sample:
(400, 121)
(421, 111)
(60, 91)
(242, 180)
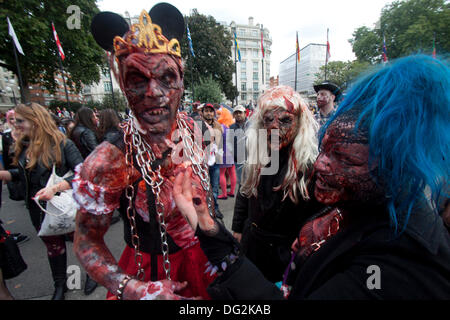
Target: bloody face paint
(153, 85)
(324, 97)
(282, 123)
(342, 168)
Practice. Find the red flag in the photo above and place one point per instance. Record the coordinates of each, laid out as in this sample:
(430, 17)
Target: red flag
(385, 59)
(434, 47)
(262, 45)
(58, 44)
(298, 49)
(328, 49)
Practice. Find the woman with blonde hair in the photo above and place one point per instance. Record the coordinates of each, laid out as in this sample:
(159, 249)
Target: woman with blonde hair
(40, 146)
(275, 197)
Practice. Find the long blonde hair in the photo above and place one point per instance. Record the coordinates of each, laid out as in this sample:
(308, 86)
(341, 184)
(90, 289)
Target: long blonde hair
(45, 138)
(304, 149)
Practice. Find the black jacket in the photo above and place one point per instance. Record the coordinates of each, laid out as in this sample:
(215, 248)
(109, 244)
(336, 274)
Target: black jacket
(85, 140)
(269, 225)
(414, 265)
(36, 179)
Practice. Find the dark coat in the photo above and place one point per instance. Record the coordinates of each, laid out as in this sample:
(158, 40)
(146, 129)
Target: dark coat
(36, 179)
(269, 225)
(85, 140)
(414, 265)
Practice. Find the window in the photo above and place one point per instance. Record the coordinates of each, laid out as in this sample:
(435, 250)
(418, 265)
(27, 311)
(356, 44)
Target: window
(255, 53)
(244, 96)
(255, 76)
(255, 96)
(243, 65)
(107, 86)
(254, 33)
(243, 86)
(255, 86)
(255, 66)
(243, 75)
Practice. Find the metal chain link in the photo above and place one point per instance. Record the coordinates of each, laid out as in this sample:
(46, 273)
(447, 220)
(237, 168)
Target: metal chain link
(153, 178)
(129, 193)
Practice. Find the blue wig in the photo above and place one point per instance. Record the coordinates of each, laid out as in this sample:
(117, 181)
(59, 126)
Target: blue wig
(405, 107)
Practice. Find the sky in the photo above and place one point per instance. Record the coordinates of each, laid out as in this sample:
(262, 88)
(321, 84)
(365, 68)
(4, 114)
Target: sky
(282, 18)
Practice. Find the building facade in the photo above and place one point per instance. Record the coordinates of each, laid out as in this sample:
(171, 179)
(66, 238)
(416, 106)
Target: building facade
(252, 75)
(9, 90)
(312, 57)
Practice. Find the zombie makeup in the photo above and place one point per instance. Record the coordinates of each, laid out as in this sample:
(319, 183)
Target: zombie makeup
(342, 168)
(282, 123)
(324, 97)
(153, 85)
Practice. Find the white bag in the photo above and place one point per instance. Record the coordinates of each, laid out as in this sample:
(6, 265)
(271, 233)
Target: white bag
(61, 210)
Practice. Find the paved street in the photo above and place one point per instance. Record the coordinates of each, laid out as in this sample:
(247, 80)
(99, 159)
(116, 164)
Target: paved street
(36, 282)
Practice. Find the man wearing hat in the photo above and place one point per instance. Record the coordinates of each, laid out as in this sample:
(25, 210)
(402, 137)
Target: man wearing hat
(195, 115)
(327, 94)
(238, 129)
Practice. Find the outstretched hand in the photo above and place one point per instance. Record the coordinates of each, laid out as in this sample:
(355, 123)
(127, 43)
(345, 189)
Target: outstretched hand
(192, 207)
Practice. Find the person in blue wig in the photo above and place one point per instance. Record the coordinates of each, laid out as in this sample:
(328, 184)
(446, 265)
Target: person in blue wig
(383, 172)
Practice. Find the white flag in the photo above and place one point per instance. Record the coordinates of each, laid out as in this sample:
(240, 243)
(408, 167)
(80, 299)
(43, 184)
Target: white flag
(14, 37)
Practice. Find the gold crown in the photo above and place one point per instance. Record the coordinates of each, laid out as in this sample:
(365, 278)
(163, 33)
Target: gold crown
(148, 36)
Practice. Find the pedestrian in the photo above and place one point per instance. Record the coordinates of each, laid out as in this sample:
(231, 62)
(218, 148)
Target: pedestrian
(215, 134)
(227, 168)
(237, 131)
(40, 146)
(135, 172)
(275, 197)
(328, 94)
(84, 135)
(383, 173)
(84, 132)
(108, 125)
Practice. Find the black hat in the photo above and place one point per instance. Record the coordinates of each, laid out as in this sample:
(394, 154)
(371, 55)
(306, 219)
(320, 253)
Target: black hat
(330, 86)
(106, 25)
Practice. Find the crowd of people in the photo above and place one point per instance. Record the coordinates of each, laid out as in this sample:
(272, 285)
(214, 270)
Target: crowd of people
(320, 199)
(33, 139)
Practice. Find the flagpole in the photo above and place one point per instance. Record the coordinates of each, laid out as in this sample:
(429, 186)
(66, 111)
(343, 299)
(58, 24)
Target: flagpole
(326, 58)
(235, 64)
(61, 66)
(110, 79)
(19, 75)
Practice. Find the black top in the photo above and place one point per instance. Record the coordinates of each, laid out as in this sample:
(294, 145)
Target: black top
(414, 265)
(269, 224)
(85, 140)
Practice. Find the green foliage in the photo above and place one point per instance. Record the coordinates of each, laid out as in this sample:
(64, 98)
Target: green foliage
(208, 90)
(72, 106)
(212, 46)
(341, 73)
(119, 103)
(409, 27)
(32, 20)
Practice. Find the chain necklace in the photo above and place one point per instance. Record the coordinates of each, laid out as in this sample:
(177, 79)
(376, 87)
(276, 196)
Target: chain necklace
(153, 178)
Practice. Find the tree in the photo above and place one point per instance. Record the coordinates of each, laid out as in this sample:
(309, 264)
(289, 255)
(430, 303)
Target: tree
(341, 73)
(32, 20)
(208, 90)
(212, 45)
(119, 99)
(409, 27)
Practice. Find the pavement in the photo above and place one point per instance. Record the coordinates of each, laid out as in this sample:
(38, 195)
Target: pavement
(36, 282)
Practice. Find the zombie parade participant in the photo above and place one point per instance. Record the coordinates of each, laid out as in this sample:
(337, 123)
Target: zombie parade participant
(136, 171)
(383, 172)
(271, 206)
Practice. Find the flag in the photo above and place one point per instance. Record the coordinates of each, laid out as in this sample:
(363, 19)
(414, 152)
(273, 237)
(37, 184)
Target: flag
(298, 49)
(190, 41)
(14, 37)
(328, 49)
(58, 44)
(237, 47)
(434, 47)
(262, 44)
(385, 59)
